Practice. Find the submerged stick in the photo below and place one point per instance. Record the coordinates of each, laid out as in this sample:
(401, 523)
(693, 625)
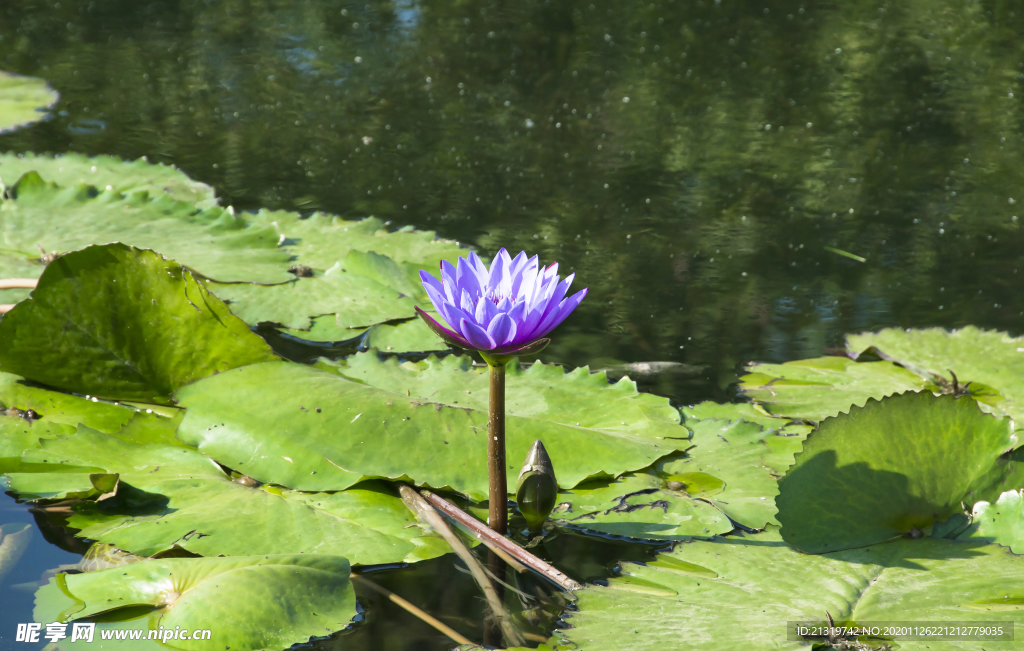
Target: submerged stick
(18, 283)
(6, 307)
(497, 516)
(426, 512)
(503, 543)
(413, 610)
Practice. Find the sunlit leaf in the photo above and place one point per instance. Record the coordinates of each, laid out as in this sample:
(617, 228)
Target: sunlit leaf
(246, 602)
(889, 468)
(1001, 522)
(172, 496)
(747, 587)
(813, 389)
(303, 420)
(123, 323)
(22, 100)
(988, 363)
(68, 170)
(213, 242)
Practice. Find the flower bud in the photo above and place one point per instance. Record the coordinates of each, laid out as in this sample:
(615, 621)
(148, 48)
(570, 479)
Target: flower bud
(537, 489)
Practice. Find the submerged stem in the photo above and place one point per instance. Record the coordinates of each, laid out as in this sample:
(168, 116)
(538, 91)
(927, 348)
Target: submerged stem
(498, 496)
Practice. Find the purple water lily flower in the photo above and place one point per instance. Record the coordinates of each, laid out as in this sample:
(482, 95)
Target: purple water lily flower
(505, 309)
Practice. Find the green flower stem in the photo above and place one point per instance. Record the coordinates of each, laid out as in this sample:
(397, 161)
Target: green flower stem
(498, 497)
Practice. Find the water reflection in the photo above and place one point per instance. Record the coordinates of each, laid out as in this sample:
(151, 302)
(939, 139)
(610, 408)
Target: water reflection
(690, 161)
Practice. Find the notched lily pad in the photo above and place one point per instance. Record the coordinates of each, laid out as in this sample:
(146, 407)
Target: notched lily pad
(1001, 522)
(247, 602)
(170, 496)
(889, 469)
(737, 592)
(123, 323)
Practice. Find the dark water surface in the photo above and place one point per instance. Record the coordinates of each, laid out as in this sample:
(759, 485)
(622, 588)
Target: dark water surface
(689, 160)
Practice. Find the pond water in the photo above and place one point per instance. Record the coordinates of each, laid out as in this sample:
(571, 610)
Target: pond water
(701, 166)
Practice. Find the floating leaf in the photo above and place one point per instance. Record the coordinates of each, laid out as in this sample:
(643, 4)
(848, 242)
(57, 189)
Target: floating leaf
(814, 389)
(434, 411)
(68, 170)
(992, 362)
(639, 505)
(22, 99)
(172, 496)
(14, 539)
(748, 586)
(247, 602)
(18, 266)
(889, 468)
(731, 452)
(1001, 522)
(213, 242)
(123, 323)
(320, 241)
(354, 300)
(411, 336)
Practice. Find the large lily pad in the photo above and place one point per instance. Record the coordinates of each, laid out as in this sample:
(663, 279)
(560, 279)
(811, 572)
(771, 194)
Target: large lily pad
(408, 336)
(889, 468)
(361, 290)
(1001, 522)
(320, 241)
(640, 505)
(309, 430)
(247, 602)
(814, 389)
(120, 322)
(213, 242)
(738, 592)
(22, 99)
(731, 452)
(68, 170)
(992, 362)
(172, 496)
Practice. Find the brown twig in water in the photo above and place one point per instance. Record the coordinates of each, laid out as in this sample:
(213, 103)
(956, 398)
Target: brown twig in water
(18, 283)
(426, 513)
(410, 608)
(484, 534)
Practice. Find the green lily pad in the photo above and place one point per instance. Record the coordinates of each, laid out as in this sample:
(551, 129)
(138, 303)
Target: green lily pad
(992, 362)
(753, 584)
(434, 411)
(814, 389)
(22, 99)
(354, 300)
(782, 442)
(62, 485)
(639, 505)
(68, 170)
(320, 241)
(889, 468)
(732, 452)
(17, 266)
(14, 540)
(411, 336)
(1001, 522)
(123, 323)
(171, 496)
(62, 408)
(247, 602)
(18, 434)
(213, 242)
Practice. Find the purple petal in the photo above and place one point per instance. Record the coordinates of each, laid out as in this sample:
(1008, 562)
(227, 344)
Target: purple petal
(467, 303)
(499, 271)
(479, 267)
(438, 299)
(485, 311)
(564, 310)
(522, 283)
(501, 330)
(476, 335)
(467, 278)
(443, 332)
